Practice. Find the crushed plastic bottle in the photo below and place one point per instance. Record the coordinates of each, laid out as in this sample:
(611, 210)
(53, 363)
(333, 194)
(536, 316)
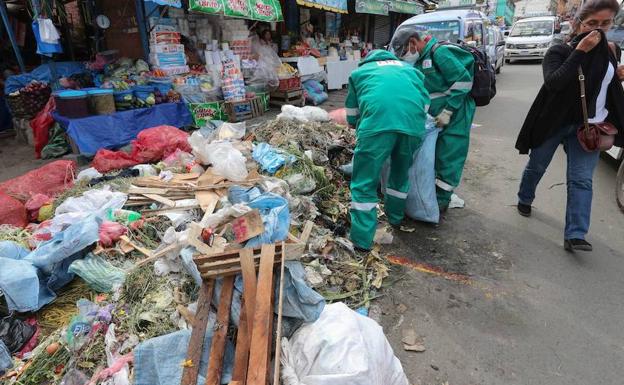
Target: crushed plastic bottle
(121, 215)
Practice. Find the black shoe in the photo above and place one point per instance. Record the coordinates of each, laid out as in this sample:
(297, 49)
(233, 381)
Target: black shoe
(577, 244)
(524, 210)
(443, 209)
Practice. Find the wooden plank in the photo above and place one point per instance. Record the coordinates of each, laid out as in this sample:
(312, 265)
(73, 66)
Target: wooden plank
(248, 268)
(161, 199)
(194, 240)
(209, 177)
(305, 234)
(217, 348)
(259, 349)
(190, 372)
(158, 255)
(293, 251)
(207, 201)
(146, 190)
(278, 337)
(241, 355)
(141, 249)
(244, 227)
(188, 176)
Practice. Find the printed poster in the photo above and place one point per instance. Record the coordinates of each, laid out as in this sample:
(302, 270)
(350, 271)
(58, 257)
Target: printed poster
(206, 6)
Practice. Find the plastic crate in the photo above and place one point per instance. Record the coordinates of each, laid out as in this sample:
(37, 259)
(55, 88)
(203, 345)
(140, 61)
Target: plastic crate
(289, 84)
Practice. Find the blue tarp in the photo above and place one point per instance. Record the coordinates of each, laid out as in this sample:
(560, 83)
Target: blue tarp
(45, 73)
(117, 130)
(171, 3)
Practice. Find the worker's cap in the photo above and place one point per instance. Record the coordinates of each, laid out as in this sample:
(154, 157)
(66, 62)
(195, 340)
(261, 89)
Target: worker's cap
(400, 40)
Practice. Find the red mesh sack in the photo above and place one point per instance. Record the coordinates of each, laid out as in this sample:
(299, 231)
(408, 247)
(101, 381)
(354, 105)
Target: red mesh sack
(339, 116)
(41, 124)
(12, 211)
(156, 143)
(51, 179)
(107, 160)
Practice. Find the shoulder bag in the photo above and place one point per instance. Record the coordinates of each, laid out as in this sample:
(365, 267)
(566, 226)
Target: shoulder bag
(593, 136)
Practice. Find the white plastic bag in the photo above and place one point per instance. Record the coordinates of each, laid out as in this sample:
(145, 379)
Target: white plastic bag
(48, 32)
(341, 347)
(231, 131)
(305, 114)
(226, 160)
(88, 174)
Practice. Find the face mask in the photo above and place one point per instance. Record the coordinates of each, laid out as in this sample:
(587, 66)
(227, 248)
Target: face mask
(411, 58)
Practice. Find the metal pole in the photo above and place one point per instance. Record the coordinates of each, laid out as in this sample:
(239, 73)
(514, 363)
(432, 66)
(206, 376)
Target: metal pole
(140, 14)
(5, 19)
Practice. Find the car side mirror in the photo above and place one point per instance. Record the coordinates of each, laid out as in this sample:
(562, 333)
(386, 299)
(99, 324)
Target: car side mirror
(500, 44)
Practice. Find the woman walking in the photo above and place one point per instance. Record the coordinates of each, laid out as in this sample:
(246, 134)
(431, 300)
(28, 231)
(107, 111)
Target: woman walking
(556, 114)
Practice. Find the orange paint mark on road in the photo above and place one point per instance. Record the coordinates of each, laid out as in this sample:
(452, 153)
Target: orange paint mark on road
(418, 266)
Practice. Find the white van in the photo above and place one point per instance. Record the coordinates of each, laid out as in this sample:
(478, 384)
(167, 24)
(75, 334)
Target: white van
(530, 38)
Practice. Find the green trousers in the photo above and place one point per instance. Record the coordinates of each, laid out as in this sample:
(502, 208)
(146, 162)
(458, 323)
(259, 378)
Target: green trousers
(369, 158)
(452, 151)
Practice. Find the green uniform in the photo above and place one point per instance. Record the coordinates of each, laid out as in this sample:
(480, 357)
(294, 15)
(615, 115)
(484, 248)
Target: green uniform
(448, 78)
(387, 104)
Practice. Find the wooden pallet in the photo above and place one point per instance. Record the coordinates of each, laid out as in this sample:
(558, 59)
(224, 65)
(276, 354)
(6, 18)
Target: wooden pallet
(245, 110)
(254, 336)
(294, 97)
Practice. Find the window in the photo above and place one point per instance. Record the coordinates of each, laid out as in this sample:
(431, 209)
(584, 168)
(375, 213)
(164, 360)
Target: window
(474, 32)
(442, 30)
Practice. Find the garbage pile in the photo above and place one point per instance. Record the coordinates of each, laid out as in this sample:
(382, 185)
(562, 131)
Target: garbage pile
(111, 278)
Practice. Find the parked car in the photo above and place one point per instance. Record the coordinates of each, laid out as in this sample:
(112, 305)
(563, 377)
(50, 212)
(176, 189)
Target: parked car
(530, 38)
(496, 47)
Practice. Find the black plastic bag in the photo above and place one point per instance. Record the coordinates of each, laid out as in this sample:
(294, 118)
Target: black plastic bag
(15, 333)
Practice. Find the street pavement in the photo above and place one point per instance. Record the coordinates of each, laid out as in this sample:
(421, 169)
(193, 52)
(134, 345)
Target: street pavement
(492, 295)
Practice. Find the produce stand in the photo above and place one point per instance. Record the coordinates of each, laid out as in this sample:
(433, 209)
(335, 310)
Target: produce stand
(116, 130)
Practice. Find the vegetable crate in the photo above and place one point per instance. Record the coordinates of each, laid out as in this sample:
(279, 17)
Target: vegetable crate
(289, 84)
(245, 110)
(280, 98)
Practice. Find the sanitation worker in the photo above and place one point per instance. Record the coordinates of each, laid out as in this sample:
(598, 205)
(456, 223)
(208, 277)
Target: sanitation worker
(387, 104)
(449, 72)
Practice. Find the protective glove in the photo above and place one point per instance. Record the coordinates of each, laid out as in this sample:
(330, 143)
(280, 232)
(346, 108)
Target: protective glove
(443, 118)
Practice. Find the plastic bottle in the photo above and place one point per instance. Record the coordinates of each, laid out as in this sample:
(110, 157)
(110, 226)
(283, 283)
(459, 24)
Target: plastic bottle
(121, 215)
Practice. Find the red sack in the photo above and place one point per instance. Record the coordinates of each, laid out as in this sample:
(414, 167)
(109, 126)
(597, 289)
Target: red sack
(41, 124)
(12, 211)
(34, 204)
(339, 116)
(111, 232)
(107, 160)
(51, 179)
(156, 143)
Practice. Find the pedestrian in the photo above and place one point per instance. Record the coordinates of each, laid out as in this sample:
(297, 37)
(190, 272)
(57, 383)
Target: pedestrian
(556, 114)
(449, 73)
(387, 104)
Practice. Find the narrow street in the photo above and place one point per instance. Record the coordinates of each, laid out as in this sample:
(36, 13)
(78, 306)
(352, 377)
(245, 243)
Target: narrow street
(519, 310)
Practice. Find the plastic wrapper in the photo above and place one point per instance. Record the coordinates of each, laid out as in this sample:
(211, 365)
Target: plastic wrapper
(111, 232)
(51, 179)
(231, 131)
(269, 158)
(106, 160)
(12, 211)
(34, 204)
(98, 273)
(191, 93)
(41, 124)
(88, 174)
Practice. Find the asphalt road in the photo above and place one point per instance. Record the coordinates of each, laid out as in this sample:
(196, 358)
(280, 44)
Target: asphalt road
(519, 310)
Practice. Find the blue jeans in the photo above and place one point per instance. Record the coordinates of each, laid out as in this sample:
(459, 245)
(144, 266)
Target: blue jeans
(581, 165)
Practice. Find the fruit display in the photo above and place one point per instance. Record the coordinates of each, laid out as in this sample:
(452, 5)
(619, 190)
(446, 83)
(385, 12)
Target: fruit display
(286, 71)
(29, 100)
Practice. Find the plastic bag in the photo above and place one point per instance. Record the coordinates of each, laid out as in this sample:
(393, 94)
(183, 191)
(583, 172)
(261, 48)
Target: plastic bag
(51, 179)
(12, 211)
(341, 347)
(226, 160)
(15, 333)
(88, 174)
(93, 202)
(107, 160)
(269, 158)
(34, 204)
(157, 143)
(304, 114)
(111, 232)
(231, 131)
(48, 32)
(421, 203)
(57, 143)
(266, 72)
(41, 125)
(98, 273)
(315, 93)
(339, 116)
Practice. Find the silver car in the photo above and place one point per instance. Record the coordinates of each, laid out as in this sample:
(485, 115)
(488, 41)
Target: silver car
(495, 47)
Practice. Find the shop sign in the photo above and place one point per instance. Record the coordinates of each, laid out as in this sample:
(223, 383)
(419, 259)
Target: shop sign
(338, 6)
(266, 10)
(206, 6)
(237, 8)
(375, 7)
(170, 3)
(409, 7)
(456, 3)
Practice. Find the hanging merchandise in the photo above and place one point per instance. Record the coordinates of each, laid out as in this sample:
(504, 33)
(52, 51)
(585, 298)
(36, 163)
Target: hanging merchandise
(266, 10)
(206, 6)
(44, 48)
(48, 32)
(236, 8)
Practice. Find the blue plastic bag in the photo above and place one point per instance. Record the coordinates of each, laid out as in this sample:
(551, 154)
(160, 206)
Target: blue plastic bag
(43, 48)
(421, 203)
(269, 158)
(315, 93)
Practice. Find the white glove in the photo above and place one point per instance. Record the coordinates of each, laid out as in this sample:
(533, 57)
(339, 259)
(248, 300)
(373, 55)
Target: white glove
(444, 118)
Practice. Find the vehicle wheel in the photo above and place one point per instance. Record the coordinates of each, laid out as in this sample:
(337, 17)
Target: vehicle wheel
(507, 61)
(619, 186)
(498, 70)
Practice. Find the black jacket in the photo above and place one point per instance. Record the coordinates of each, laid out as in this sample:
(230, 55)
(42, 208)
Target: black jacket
(558, 102)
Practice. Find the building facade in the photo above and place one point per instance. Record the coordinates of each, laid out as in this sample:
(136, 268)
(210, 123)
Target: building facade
(534, 8)
(505, 11)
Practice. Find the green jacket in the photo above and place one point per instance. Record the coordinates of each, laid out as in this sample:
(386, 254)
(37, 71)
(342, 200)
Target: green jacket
(448, 76)
(386, 95)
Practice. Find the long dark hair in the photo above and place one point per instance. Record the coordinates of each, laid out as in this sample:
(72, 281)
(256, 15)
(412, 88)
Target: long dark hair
(589, 8)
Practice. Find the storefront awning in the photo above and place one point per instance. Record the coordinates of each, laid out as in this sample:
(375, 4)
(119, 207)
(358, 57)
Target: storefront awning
(338, 6)
(171, 3)
(409, 7)
(261, 10)
(375, 7)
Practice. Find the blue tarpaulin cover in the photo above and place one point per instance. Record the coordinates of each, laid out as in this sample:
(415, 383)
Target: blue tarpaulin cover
(117, 130)
(44, 73)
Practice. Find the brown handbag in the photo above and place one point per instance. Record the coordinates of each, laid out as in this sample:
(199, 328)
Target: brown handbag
(593, 136)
